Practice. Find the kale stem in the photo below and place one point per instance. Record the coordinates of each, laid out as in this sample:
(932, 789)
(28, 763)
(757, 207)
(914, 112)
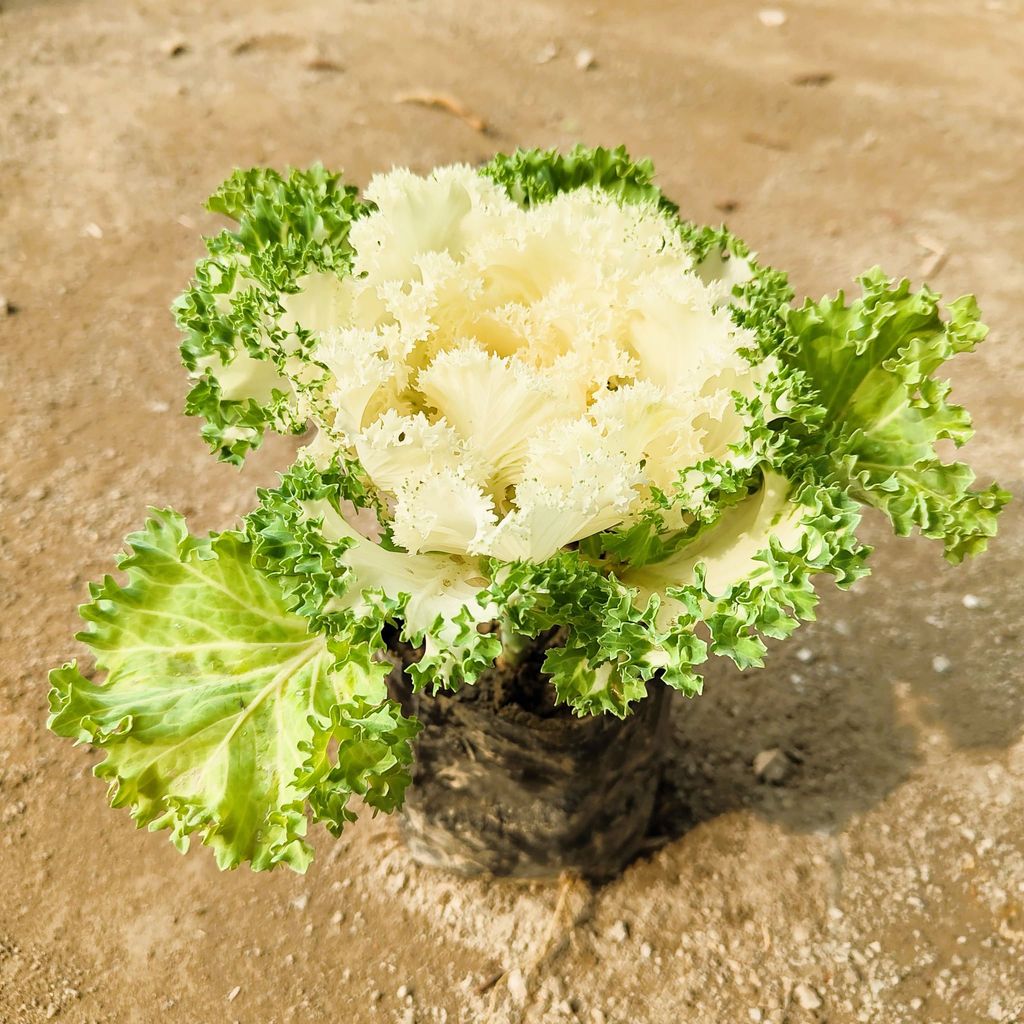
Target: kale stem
(514, 646)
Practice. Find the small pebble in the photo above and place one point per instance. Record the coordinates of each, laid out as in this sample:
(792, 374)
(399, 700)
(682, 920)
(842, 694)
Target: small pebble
(233, 994)
(619, 931)
(92, 230)
(805, 654)
(972, 601)
(517, 986)
(772, 766)
(772, 17)
(807, 997)
(940, 663)
(585, 60)
(547, 54)
(174, 47)
(645, 950)
(315, 60)
(755, 1015)
(300, 902)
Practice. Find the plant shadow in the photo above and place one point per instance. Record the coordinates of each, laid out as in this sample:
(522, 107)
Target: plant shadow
(920, 653)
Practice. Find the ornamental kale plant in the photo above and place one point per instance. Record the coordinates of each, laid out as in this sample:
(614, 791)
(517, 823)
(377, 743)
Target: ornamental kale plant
(537, 399)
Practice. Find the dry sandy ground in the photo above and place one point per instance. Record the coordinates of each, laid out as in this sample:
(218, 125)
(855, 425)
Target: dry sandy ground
(885, 880)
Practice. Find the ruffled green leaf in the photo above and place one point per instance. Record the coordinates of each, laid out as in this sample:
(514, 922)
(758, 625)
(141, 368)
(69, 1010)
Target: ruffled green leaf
(363, 746)
(749, 575)
(533, 176)
(220, 714)
(870, 364)
(589, 689)
(613, 641)
(238, 332)
(346, 583)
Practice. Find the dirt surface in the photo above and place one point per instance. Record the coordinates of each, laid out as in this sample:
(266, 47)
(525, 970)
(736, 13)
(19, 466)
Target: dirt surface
(883, 880)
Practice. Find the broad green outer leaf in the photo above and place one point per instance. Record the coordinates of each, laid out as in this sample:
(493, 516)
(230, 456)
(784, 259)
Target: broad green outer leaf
(870, 365)
(219, 707)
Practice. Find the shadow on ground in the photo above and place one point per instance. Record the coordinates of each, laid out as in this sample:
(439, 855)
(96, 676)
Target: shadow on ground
(925, 652)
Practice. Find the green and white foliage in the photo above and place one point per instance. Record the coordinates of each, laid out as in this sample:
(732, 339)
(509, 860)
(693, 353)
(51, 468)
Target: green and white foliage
(221, 713)
(541, 402)
(241, 335)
